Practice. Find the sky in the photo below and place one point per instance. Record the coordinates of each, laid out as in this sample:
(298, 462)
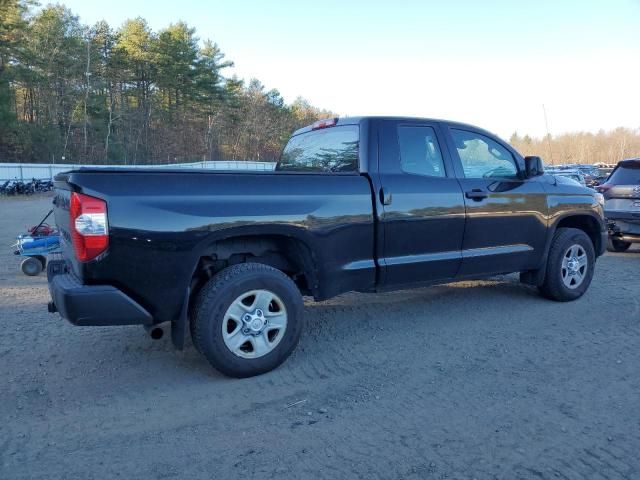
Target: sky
(492, 63)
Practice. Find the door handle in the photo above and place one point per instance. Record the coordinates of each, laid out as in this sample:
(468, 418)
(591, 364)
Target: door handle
(385, 197)
(476, 194)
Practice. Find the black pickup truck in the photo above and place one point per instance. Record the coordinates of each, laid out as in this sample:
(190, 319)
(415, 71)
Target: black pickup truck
(354, 204)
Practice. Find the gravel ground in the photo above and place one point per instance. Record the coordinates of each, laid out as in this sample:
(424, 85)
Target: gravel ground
(471, 380)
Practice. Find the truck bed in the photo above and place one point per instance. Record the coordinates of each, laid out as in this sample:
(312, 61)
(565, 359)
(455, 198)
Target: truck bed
(162, 223)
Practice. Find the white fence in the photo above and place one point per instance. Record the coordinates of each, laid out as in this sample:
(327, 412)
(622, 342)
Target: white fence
(45, 171)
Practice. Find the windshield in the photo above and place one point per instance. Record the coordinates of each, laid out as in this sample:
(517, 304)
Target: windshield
(333, 149)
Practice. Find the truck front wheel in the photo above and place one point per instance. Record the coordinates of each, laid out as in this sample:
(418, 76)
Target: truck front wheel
(247, 319)
(570, 265)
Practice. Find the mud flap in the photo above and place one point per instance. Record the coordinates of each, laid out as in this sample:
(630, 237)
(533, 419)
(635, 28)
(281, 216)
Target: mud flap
(534, 277)
(179, 326)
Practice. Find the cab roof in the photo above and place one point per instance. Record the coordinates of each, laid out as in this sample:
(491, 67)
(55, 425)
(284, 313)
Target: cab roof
(358, 119)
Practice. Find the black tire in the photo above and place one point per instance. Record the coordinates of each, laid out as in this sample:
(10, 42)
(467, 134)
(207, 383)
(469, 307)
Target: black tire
(553, 286)
(43, 260)
(216, 297)
(31, 266)
(614, 245)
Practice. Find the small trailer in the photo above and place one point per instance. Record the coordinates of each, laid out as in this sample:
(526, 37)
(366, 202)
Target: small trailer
(35, 246)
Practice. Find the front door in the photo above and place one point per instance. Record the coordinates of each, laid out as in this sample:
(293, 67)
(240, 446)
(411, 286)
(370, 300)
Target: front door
(506, 215)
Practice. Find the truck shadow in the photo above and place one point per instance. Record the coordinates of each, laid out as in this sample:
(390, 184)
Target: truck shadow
(335, 323)
(333, 327)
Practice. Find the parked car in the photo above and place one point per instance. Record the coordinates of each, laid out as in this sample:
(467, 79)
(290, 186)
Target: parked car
(598, 177)
(355, 204)
(572, 175)
(622, 205)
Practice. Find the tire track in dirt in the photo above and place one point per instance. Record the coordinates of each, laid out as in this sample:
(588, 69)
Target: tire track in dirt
(472, 380)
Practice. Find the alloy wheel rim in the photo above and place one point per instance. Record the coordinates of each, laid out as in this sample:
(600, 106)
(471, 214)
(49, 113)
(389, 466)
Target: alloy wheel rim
(574, 266)
(254, 324)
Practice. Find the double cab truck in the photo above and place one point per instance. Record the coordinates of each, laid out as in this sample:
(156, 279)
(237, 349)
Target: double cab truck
(362, 204)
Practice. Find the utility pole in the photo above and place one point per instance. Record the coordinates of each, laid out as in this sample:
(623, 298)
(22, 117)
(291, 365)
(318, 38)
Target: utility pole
(546, 126)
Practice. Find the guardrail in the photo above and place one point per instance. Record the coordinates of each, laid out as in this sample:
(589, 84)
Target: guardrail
(46, 171)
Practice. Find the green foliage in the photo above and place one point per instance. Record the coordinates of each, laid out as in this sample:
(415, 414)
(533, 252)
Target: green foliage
(132, 95)
(12, 27)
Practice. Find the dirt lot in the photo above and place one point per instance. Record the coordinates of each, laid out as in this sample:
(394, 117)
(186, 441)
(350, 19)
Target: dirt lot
(472, 380)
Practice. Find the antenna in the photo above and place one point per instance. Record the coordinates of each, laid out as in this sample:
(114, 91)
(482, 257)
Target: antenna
(546, 126)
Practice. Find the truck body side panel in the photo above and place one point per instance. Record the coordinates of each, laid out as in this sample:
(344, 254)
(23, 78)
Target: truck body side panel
(161, 224)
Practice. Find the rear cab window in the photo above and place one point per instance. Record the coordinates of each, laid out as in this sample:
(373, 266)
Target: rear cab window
(327, 150)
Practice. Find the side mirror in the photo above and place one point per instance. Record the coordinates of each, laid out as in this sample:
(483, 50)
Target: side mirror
(533, 166)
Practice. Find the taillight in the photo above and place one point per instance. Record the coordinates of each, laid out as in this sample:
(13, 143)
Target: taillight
(329, 122)
(89, 230)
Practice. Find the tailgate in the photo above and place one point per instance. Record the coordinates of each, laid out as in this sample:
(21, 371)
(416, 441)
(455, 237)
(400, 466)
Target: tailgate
(623, 198)
(624, 191)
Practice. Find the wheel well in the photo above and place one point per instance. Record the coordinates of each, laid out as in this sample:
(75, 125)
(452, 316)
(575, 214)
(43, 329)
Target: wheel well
(287, 254)
(587, 224)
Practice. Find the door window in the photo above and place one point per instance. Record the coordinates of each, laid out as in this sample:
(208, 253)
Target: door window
(483, 157)
(419, 151)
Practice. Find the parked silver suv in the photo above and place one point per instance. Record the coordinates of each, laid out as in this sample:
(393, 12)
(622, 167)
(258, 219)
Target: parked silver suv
(622, 204)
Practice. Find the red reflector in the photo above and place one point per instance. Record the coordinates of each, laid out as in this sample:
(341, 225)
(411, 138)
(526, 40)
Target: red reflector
(329, 122)
(88, 225)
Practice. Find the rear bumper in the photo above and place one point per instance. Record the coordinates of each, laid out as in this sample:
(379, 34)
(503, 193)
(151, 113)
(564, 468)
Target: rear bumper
(613, 215)
(627, 238)
(624, 224)
(97, 305)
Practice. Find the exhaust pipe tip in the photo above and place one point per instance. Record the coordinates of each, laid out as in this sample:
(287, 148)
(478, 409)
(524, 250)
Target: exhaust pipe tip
(155, 332)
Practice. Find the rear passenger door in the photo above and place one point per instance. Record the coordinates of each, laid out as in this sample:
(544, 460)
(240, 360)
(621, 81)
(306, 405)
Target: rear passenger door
(506, 214)
(423, 208)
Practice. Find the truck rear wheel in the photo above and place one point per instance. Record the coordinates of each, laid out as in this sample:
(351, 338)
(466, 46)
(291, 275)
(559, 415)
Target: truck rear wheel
(247, 319)
(570, 265)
